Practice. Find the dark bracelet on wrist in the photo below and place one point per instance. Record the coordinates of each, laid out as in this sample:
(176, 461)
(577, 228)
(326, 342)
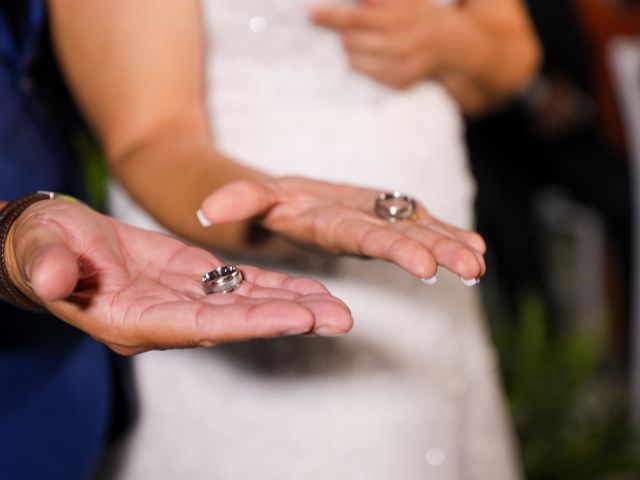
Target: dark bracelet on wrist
(8, 215)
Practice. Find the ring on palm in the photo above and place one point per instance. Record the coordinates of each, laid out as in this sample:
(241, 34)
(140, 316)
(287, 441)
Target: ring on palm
(394, 206)
(224, 279)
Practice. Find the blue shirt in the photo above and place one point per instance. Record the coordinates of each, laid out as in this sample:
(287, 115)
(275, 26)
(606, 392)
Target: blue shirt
(56, 383)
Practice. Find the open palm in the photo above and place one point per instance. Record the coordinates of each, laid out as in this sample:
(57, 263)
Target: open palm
(340, 218)
(136, 290)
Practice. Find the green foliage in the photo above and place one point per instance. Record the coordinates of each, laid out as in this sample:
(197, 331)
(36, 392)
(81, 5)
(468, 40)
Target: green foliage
(94, 168)
(570, 415)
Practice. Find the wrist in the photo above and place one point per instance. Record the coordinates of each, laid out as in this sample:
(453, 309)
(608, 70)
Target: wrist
(14, 285)
(16, 275)
(455, 38)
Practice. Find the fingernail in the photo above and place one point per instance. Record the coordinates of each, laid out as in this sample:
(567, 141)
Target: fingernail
(328, 332)
(204, 221)
(470, 282)
(430, 281)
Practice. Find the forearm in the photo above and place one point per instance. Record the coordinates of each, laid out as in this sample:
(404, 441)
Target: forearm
(136, 69)
(487, 61)
(171, 172)
(473, 98)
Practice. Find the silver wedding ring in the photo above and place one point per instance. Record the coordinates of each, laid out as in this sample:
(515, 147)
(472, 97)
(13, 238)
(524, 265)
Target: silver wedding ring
(394, 206)
(224, 279)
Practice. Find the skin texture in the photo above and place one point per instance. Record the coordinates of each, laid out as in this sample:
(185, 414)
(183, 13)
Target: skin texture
(136, 68)
(136, 290)
(482, 51)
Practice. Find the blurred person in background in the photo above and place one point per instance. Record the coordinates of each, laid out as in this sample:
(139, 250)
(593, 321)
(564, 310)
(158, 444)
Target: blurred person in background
(251, 106)
(549, 138)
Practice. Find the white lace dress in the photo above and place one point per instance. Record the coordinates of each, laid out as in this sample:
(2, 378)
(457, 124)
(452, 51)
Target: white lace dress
(412, 392)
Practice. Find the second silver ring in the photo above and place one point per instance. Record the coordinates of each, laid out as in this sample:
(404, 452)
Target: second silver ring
(393, 206)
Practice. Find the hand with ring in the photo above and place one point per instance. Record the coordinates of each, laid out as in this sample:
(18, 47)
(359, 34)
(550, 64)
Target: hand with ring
(136, 290)
(347, 219)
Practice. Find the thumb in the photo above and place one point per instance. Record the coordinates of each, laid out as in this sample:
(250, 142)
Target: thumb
(53, 272)
(236, 201)
(45, 263)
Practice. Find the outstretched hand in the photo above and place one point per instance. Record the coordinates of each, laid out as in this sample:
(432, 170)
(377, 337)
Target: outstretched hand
(340, 218)
(136, 290)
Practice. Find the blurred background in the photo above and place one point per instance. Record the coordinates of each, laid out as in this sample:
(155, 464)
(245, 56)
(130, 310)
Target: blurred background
(558, 177)
(557, 191)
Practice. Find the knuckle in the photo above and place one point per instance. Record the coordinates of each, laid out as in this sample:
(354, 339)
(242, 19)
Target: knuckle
(398, 243)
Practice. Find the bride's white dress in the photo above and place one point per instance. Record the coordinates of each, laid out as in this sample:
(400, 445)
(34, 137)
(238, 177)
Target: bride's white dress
(412, 392)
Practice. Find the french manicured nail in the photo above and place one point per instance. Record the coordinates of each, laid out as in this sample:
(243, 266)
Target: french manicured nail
(472, 282)
(430, 281)
(204, 221)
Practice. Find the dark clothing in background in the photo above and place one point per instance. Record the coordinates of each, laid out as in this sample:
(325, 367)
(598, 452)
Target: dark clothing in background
(562, 39)
(522, 150)
(56, 383)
